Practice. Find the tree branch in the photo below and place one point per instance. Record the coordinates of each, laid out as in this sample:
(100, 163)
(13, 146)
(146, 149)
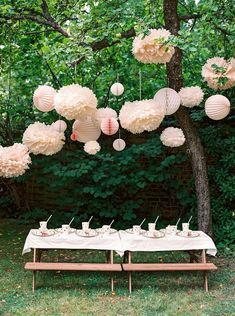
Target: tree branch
(189, 16)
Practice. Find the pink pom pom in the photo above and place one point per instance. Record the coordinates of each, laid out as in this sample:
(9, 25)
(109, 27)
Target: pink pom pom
(109, 126)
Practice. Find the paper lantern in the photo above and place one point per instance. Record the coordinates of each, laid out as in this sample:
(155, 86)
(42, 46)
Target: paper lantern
(168, 98)
(86, 130)
(102, 113)
(74, 136)
(117, 89)
(43, 139)
(140, 116)
(43, 98)
(92, 147)
(191, 96)
(172, 137)
(152, 49)
(219, 73)
(109, 126)
(75, 102)
(119, 144)
(14, 160)
(59, 126)
(217, 107)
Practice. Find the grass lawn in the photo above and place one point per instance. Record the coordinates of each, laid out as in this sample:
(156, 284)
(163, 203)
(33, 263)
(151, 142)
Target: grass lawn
(89, 293)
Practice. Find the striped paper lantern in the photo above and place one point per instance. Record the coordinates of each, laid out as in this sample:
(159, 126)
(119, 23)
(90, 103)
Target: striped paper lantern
(217, 107)
(119, 144)
(169, 98)
(87, 130)
(43, 98)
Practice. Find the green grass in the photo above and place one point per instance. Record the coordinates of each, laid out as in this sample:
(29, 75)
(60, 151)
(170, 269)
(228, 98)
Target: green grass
(89, 293)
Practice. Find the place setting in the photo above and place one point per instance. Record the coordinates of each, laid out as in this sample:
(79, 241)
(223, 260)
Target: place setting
(150, 233)
(43, 231)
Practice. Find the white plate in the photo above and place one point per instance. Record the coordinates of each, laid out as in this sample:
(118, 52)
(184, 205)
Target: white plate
(48, 233)
(130, 231)
(101, 231)
(155, 234)
(61, 231)
(163, 230)
(91, 233)
(190, 234)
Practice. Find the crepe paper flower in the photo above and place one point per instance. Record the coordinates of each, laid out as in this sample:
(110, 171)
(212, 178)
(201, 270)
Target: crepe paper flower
(59, 126)
(219, 73)
(43, 98)
(117, 89)
(119, 144)
(103, 113)
(86, 130)
(43, 139)
(169, 99)
(109, 126)
(153, 48)
(191, 96)
(172, 137)
(74, 136)
(217, 107)
(75, 102)
(140, 116)
(14, 160)
(92, 147)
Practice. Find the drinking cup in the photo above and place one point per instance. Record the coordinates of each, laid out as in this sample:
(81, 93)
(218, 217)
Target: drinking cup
(151, 227)
(106, 229)
(65, 228)
(85, 226)
(43, 226)
(136, 229)
(185, 227)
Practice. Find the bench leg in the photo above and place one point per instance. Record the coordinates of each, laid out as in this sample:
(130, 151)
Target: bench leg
(129, 274)
(205, 274)
(111, 261)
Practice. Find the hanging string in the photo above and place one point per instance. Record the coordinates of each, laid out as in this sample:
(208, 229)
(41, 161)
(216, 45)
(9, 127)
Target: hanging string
(119, 133)
(118, 77)
(140, 82)
(75, 73)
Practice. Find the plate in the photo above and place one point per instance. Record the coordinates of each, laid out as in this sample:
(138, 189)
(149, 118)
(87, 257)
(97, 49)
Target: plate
(190, 234)
(101, 231)
(91, 233)
(130, 231)
(60, 230)
(163, 230)
(155, 234)
(48, 233)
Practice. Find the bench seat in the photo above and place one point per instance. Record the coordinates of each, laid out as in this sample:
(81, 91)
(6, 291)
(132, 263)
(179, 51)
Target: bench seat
(64, 266)
(168, 266)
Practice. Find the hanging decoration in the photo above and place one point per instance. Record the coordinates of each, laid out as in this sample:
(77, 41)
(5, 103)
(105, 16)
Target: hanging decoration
(140, 116)
(103, 113)
(75, 102)
(117, 89)
(153, 48)
(191, 96)
(169, 99)
(43, 139)
(43, 98)
(92, 147)
(172, 137)
(109, 126)
(219, 73)
(217, 107)
(14, 160)
(60, 126)
(74, 136)
(86, 130)
(119, 144)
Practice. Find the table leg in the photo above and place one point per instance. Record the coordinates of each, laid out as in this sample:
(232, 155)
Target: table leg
(34, 272)
(129, 273)
(111, 261)
(205, 274)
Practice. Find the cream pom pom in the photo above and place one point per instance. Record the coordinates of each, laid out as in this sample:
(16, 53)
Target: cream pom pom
(172, 137)
(103, 113)
(117, 89)
(109, 126)
(86, 130)
(14, 160)
(152, 49)
(219, 73)
(75, 102)
(43, 98)
(217, 107)
(169, 99)
(140, 116)
(59, 126)
(92, 147)
(43, 139)
(191, 96)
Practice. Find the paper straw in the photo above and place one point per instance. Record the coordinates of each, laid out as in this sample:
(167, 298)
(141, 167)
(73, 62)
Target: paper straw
(49, 218)
(111, 223)
(178, 221)
(156, 219)
(190, 219)
(142, 222)
(71, 221)
(90, 219)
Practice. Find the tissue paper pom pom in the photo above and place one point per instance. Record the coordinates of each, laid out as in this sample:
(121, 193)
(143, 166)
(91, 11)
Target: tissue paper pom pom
(172, 137)
(43, 98)
(217, 107)
(14, 160)
(75, 102)
(191, 96)
(59, 126)
(92, 147)
(169, 99)
(86, 130)
(102, 113)
(150, 49)
(140, 116)
(117, 89)
(43, 139)
(109, 126)
(119, 144)
(219, 73)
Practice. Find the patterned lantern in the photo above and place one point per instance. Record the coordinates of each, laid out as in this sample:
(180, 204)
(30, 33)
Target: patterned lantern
(117, 89)
(168, 98)
(102, 113)
(119, 144)
(109, 126)
(172, 137)
(191, 96)
(86, 130)
(43, 98)
(217, 107)
(74, 136)
(92, 147)
(59, 126)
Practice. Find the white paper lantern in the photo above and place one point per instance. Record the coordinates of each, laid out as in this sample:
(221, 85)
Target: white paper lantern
(191, 96)
(92, 147)
(59, 126)
(217, 107)
(109, 126)
(103, 113)
(86, 130)
(119, 144)
(117, 89)
(43, 98)
(172, 137)
(168, 98)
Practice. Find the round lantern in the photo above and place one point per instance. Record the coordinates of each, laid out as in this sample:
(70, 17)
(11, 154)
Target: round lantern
(172, 137)
(74, 136)
(217, 107)
(119, 144)
(169, 98)
(107, 112)
(43, 98)
(92, 147)
(109, 126)
(59, 126)
(86, 130)
(117, 89)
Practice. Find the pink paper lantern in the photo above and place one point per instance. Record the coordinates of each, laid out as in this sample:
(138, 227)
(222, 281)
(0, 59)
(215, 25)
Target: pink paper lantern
(109, 126)
(43, 98)
(119, 144)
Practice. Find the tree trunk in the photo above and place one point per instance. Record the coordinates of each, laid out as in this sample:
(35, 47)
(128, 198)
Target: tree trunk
(198, 160)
